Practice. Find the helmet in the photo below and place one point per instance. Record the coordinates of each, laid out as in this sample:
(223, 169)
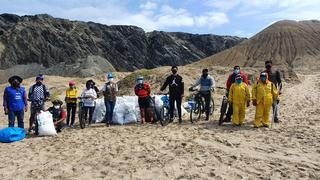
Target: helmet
(238, 76)
(140, 78)
(57, 102)
(72, 83)
(110, 75)
(40, 77)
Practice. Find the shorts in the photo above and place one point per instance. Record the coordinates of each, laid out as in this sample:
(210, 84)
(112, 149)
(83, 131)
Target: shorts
(145, 102)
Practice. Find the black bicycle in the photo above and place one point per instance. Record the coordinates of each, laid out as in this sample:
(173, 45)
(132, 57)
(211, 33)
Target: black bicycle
(224, 106)
(163, 115)
(83, 121)
(197, 105)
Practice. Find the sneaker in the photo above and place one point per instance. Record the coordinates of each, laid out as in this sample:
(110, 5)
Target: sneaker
(73, 126)
(227, 119)
(207, 118)
(276, 120)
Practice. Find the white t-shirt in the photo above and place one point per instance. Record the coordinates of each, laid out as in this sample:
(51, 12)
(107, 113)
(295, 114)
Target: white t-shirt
(89, 96)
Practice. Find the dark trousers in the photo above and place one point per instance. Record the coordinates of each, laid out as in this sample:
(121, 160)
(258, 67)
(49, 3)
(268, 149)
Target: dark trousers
(109, 110)
(13, 114)
(207, 98)
(71, 112)
(172, 100)
(90, 110)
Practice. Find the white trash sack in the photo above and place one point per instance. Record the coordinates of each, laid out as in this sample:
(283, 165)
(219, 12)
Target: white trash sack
(45, 124)
(126, 110)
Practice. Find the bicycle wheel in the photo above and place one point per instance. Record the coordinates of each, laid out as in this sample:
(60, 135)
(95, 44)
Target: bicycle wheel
(82, 120)
(211, 106)
(195, 112)
(223, 109)
(164, 116)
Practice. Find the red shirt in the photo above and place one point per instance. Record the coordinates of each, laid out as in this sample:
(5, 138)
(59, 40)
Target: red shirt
(142, 90)
(232, 77)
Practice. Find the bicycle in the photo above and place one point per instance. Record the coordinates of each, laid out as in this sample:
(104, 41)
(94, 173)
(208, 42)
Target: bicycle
(197, 105)
(83, 121)
(224, 106)
(37, 106)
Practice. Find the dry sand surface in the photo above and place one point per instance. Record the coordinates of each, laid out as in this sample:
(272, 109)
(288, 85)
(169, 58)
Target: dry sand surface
(290, 150)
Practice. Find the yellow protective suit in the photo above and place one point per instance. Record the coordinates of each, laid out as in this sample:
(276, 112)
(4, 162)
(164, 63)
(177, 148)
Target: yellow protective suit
(239, 95)
(71, 95)
(264, 94)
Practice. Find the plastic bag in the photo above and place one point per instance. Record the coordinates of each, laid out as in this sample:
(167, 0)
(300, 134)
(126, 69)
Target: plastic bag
(45, 124)
(12, 134)
(99, 111)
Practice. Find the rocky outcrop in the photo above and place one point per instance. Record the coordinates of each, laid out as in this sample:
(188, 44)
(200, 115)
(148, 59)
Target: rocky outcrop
(73, 48)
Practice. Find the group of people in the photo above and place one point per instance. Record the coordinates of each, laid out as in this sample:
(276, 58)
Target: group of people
(264, 95)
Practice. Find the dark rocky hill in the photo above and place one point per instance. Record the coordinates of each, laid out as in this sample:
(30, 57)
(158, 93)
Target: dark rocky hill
(43, 44)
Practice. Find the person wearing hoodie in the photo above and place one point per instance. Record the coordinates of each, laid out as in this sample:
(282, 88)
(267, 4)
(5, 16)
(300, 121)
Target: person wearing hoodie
(207, 85)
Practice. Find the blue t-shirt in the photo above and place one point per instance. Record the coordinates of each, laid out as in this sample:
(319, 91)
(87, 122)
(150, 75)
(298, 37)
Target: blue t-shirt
(15, 98)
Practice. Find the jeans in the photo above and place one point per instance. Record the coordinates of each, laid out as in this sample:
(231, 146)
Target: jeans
(71, 111)
(207, 98)
(90, 110)
(172, 99)
(109, 110)
(19, 115)
(276, 111)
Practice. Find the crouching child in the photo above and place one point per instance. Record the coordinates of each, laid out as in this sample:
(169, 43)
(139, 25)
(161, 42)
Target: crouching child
(58, 115)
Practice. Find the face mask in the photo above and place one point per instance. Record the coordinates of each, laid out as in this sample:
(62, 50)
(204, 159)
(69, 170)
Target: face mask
(110, 79)
(15, 84)
(236, 71)
(140, 81)
(56, 106)
(204, 75)
(174, 71)
(71, 87)
(268, 66)
(239, 81)
(263, 79)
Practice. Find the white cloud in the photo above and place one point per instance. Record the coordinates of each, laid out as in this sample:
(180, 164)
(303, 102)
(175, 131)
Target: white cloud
(149, 5)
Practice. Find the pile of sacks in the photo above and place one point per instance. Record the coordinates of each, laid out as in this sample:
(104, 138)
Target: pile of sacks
(126, 110)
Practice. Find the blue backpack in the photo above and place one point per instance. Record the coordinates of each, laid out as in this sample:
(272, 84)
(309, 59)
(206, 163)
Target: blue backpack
(12, 134)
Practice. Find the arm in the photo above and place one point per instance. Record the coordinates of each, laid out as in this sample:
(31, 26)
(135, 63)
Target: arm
(47, 93)
(5, 103)
(228, 84)
(136, 90)
(197, 83)
(116, 88)
(182, 87)
(213, 83)
(62, 116)
(274, 92)
(25, 100)
(279, 81)
(248, 94)
(148, 89)
(245, 78)
(166, 83)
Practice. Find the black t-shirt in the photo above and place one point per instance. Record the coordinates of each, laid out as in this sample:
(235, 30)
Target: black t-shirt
(176, 85)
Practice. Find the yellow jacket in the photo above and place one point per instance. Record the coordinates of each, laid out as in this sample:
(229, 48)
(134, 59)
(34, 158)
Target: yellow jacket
(264, 93)
(239, 93)
(71, 95)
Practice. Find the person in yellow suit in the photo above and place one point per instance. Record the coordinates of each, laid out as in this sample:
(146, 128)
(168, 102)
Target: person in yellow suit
(71, 100)
(264, 92)
(239, 97)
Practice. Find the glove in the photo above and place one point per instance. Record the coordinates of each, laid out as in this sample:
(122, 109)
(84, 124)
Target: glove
(248, 103)
(6, 111)
(254, 102)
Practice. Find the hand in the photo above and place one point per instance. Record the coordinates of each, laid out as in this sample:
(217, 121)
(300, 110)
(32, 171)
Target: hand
(26, 109)
(254, 102)
(6, 111)
(280, 92)
(248, 103)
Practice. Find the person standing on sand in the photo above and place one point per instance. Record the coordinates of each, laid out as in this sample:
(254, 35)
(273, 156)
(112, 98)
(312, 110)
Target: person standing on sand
(143, 91)
(176, 91)
(275, 77)
(239, 98)
(109, 91)
(15, 101)
(89, 96)
(264, 93)
(71, 100)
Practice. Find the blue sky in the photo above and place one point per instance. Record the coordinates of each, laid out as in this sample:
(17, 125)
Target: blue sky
(223, 17)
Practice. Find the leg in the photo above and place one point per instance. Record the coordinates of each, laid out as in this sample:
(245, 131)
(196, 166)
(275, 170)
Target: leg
(91, 110)
(113, 104)
(266, 115)
(73, 114)
(142, 113)
(85, 112)
(32, 118)
(259, 115)
(171, 104)
(207, 99)
(242, 113)
(11, 118)
(275, 111)
(68, 113)
(179, 101)
(150, 114)
(20, 115)
(229, 113)
(235, 115)
(107, 115)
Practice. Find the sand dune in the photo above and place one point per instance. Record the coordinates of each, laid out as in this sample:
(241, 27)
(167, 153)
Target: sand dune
(290, 150)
